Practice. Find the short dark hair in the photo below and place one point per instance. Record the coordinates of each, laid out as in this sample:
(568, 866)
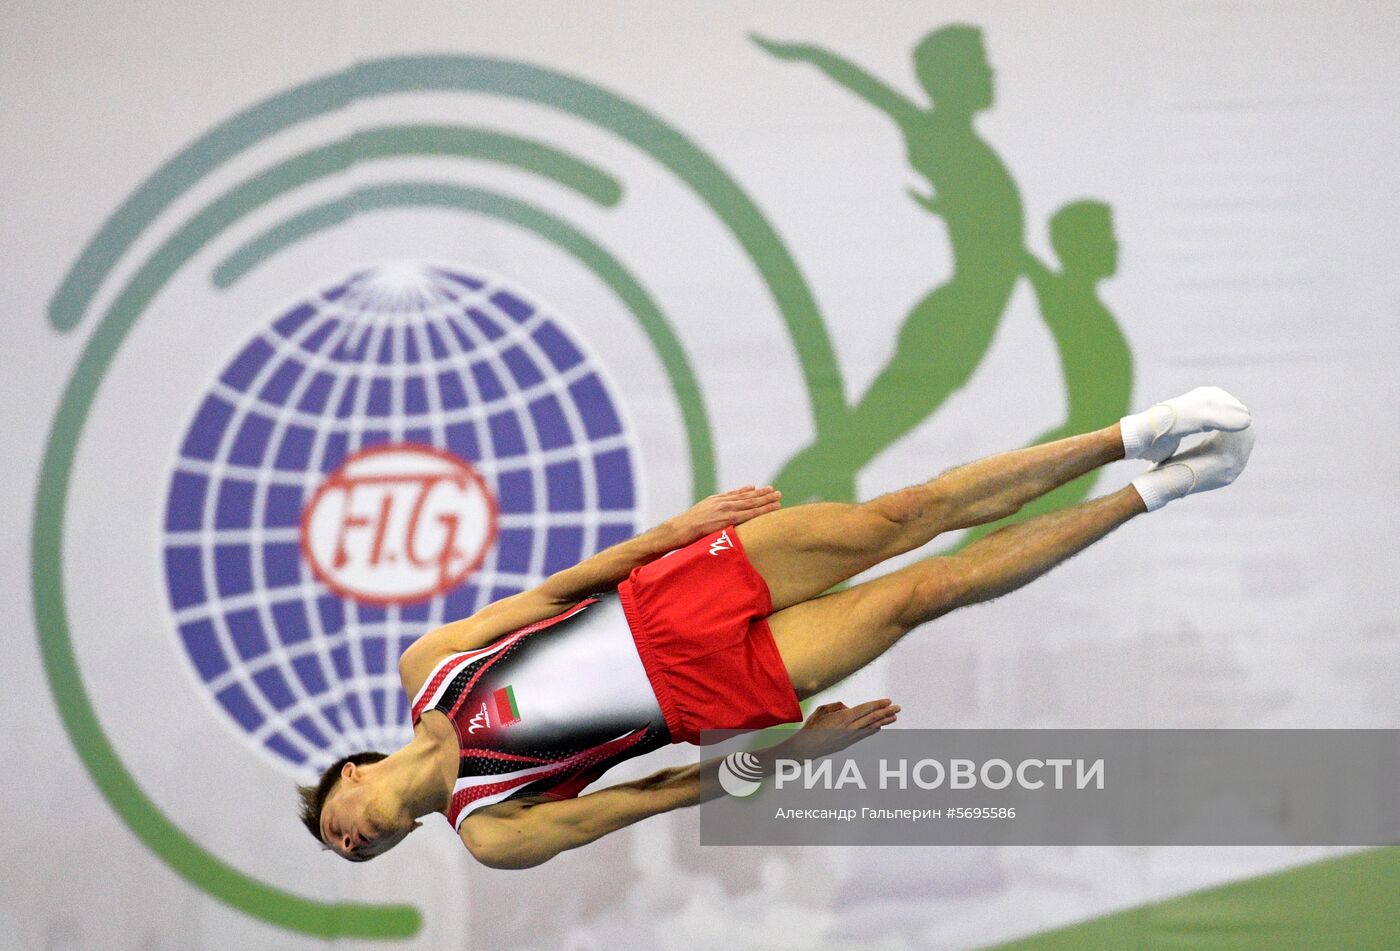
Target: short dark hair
(313, 798)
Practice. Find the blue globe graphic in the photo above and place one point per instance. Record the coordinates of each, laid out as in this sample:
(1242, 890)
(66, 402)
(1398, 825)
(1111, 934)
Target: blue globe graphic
(403, 353)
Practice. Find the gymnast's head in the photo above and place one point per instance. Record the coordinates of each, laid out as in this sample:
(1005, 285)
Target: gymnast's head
(1082, 236)
(952, 66)
(355, 809)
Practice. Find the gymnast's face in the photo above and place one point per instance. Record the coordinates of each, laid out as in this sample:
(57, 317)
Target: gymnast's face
(358, 821)
(952, 65)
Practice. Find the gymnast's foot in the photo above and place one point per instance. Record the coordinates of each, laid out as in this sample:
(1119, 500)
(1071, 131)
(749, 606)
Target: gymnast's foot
(1213, 463)
(1155, 433)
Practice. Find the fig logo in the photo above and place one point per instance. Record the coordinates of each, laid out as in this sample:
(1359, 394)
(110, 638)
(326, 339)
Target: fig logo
(398, 524)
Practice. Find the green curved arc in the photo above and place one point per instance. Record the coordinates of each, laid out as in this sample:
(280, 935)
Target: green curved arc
(80, 285)
(562, 234)
(462, 142)
(528, 155)
(505, 78)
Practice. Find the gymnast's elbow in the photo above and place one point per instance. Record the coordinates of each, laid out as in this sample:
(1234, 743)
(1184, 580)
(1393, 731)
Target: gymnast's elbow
(505, 843)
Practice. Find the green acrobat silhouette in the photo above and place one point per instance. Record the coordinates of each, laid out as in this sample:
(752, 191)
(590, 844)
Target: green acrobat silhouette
(1095, 361)
(949, 331)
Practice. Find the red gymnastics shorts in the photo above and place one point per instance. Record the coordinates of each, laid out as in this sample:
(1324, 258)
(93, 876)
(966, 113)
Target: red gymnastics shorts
(698, 617)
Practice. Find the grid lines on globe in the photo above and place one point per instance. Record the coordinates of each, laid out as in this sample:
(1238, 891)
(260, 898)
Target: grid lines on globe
(395, 355)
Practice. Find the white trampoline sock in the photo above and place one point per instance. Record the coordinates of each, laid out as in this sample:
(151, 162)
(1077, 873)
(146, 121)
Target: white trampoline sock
(1214, 463)
(1164, 484)
(1155, 433)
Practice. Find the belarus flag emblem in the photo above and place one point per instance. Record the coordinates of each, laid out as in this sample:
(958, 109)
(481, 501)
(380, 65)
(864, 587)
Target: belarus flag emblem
(503, 701)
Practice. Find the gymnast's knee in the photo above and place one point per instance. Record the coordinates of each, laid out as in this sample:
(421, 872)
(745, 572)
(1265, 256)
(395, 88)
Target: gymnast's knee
(911, 509)
(936, 586)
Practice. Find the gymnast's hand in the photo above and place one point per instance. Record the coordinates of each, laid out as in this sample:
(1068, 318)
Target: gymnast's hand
(834, 726)
(727, 508)
(795, 51)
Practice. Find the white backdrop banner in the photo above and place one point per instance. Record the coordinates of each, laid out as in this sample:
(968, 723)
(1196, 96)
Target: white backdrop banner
(329, 324)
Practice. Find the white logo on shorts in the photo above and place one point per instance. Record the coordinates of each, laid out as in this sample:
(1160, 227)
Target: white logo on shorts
(723, 543)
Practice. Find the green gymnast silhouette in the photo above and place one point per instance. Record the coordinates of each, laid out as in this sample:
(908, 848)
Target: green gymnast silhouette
(947, 333)
(1095, 361)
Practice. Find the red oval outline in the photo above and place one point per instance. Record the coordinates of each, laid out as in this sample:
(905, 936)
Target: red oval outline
(492, 528)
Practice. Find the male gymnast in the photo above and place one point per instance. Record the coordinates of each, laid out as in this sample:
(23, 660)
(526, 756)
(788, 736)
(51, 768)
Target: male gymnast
(717, 619)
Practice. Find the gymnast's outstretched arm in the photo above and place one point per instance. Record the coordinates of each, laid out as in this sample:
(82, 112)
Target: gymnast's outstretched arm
(903, 111)
(524, 833)
(598, 573)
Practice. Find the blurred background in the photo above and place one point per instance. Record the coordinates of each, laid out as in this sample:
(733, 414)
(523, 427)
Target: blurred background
(536, 276)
